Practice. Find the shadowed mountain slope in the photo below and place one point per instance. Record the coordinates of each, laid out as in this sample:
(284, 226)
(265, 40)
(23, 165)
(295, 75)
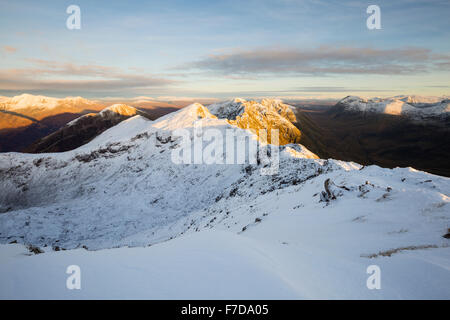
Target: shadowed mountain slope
(83, 129)
(377, 138)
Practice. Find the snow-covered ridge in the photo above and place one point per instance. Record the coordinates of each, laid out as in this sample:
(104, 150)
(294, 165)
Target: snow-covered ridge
(421, 100)
(120, 109)
(35, 101)
(410, 106)
(115, 110)
(305, 232)
(186, 118)
(136, 154)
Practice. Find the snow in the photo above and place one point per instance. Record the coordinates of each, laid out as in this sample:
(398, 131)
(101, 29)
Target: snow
(417, 100)
(202, 265)
(257, 115)
(228, 109)
(415, 107)
(185, 118)
(109, 112)
(292, 254)
(121, 109)
(236, 107)
(122, 132)
(25, 101)
(156, 229)
(84, 116)
(299, 151)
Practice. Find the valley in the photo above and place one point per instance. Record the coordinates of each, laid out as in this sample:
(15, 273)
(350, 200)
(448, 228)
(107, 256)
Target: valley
(385, 140)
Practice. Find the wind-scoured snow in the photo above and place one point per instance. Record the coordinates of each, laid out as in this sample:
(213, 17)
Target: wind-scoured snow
(141, 226)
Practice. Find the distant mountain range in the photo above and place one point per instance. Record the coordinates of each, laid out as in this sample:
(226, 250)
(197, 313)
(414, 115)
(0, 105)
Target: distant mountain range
(398, 131)
(392, 132)
(413, 107)
(83, 129)
(26, 118)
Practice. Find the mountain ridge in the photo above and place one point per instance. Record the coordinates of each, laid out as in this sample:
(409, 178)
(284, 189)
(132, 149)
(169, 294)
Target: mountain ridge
(83, 129)
(312, 219)
(415, 108)
(266, 114)
(26, 118)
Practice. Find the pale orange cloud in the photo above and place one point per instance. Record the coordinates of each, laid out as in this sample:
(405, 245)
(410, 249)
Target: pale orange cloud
(9, 49)
(56, 76)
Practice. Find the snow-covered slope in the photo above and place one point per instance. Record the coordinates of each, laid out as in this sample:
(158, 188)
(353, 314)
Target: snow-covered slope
(415, 107)
(217, 230)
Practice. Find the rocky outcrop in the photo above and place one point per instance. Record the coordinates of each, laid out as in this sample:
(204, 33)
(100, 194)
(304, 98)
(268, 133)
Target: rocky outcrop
(256, 115)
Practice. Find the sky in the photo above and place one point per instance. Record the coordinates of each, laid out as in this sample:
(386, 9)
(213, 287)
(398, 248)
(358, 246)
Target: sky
(223, 49)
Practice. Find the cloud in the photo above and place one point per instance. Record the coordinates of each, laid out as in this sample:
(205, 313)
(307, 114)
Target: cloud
(188, 99)
(9, 49)
(323, 60)
(337, 89)
(55, 77)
